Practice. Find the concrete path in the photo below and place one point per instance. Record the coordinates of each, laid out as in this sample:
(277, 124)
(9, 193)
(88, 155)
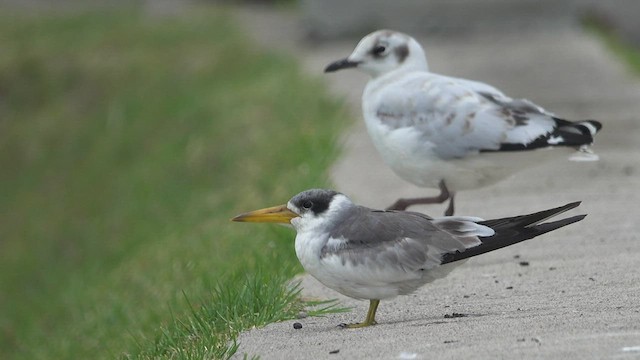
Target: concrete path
(579, 295)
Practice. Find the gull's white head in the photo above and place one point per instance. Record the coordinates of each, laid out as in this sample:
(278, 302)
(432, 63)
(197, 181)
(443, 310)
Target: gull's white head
(384, 51)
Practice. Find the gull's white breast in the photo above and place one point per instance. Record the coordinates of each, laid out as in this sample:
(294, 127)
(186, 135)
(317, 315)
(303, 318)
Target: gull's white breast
(412, 156)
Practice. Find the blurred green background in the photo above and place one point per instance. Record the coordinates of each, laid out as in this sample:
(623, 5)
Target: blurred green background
(127, 142)
(129, 136)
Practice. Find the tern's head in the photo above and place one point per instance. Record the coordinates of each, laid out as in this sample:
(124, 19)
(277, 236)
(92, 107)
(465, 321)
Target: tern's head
(308, 209)
(383, 51)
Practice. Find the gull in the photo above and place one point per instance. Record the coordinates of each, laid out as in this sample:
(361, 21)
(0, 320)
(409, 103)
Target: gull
(376, 255)
(450, 133)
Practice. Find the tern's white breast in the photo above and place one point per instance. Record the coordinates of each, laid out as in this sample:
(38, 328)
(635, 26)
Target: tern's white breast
(368, 279)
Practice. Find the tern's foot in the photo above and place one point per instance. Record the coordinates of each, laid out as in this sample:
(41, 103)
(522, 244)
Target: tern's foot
(357, 325)
(370, 319)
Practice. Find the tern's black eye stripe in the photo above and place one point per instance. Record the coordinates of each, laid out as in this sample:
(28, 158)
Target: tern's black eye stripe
(315, 201)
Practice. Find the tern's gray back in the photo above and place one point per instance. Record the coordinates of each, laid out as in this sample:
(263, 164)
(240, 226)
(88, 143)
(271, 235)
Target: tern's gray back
(404, 240)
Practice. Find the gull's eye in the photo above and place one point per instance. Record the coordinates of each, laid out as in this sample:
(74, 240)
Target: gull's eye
(379, 50)
(307, 204)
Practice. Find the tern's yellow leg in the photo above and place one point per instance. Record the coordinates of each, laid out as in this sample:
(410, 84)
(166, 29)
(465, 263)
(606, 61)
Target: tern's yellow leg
(371, 317)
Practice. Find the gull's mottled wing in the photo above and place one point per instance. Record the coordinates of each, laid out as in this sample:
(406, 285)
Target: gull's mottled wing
(406, 241)
(457, 117)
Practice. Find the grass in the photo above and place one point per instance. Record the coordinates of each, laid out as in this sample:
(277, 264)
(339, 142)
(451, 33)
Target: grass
(607, 33)
(127, 141)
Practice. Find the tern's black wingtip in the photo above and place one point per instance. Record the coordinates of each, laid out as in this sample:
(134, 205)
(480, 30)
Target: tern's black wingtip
(573, 205)
(580, 217)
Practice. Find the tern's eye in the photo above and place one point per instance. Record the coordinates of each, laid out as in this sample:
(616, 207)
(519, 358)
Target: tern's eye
(307, 204)
(379, 50)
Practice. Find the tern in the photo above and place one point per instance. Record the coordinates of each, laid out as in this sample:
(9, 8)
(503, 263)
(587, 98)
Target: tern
(450, 133)
(376, 255)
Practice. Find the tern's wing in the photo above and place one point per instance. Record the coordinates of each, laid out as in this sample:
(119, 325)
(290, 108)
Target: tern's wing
(403, 240)
(456, 117)
(512, 230)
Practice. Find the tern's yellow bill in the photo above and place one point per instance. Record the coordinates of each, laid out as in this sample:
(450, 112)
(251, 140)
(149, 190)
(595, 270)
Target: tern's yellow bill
(275, 214)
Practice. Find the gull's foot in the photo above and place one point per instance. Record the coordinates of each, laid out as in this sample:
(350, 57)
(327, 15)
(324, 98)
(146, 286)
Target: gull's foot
(400, 205)
(445, 194)
(356, 325)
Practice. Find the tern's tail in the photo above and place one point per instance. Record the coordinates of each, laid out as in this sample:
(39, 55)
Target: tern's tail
(509, 231)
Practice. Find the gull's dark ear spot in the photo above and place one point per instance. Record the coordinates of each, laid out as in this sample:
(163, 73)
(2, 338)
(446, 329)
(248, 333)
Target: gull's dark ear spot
(401, 52)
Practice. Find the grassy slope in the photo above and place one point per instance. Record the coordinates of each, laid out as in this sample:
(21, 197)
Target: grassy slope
(606, 31)
(628, 53)
(126, 144)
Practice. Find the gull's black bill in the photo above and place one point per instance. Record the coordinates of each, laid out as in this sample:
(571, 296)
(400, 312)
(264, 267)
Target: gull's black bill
(340, 64)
